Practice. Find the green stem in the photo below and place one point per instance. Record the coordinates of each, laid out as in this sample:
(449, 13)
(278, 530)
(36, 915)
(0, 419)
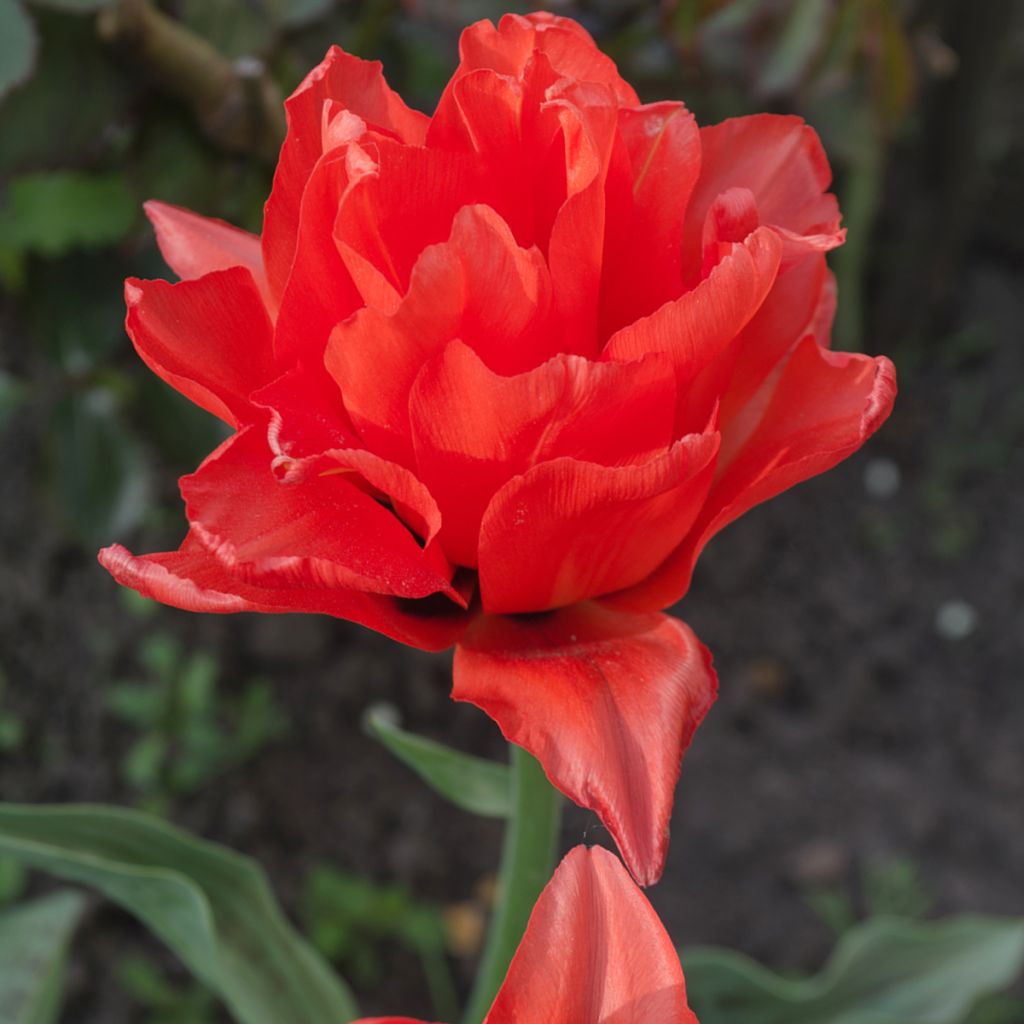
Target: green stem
(527, 860)
(862, 193)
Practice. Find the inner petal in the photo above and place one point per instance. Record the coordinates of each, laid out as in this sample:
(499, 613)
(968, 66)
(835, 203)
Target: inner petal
(473, 430)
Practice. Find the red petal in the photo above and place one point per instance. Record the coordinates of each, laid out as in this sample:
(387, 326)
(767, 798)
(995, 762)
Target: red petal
(322, 532)
(588, 119)
(594, 952)
(642, 258)
(408, 203)
(320, 291)
(209, 338)
(506, 292)
(478, 286)
(385, 480)
(567, 530)
(192, 579)
(568, 46)
(473, 430)
(358, 86)
(388, 1020)
(800, 302)
(819, 409)
(607, 702)
(306, 413)
(780, 160)
(193, 245)
(696, 328)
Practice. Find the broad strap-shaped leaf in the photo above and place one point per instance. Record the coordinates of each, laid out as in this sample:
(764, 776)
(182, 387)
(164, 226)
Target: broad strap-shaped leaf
(75, 6)
(886, 971)
(213, 907)
(34, 939)
(18, 45)
(473, 783)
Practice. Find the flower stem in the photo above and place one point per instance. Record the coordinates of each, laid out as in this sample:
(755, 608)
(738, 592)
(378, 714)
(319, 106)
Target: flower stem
(527, 860)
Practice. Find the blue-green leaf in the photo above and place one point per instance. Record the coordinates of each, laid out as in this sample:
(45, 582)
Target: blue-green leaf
(211, 906)
(295, 13)
(473, 783)
(74, 6)
(12, 396)
(18, 45)
(34, 939)
(885, 971)
(98, 473)
(801, 38)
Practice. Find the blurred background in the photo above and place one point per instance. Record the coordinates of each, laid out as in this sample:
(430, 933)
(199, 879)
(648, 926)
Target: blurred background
(866, 754)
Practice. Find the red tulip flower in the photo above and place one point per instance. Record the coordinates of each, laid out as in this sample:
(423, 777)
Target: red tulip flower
(497, 376)
(594, 952)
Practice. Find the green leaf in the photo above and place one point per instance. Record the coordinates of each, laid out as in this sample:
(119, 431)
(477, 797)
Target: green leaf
(12, 880)
(167, 1002)
(98, 472)
(12, 396)
(53, 212)
(74, 6)
(473, 783)
(73, 107)
(18, 45)
(799, 41)
(236, 29)
(144, 761)
(885, 971)
(197, 685)
(34, 939)
(84, 331)
(295, 13)
(211, 906)
(160, 653)
(140, 705)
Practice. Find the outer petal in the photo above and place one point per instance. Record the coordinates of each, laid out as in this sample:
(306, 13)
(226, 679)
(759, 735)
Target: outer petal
(193, 245)
(192, 579)
(359, 86)
(473, 430)
(594, 952)
(209, 338)
(800, 303)
(607, 702)
(586, 530)
(322, 532)
(818, 410)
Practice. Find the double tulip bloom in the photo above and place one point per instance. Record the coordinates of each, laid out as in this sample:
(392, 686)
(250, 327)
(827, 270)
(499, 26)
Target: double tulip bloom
(497, 376)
